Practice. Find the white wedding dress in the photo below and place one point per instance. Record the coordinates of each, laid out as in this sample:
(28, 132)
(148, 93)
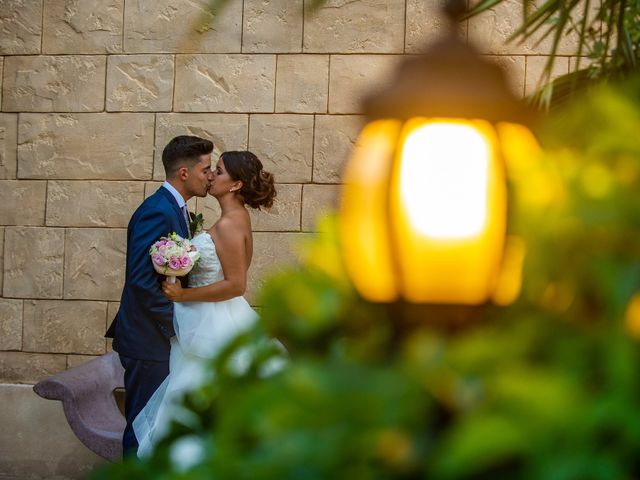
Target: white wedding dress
(202, 329)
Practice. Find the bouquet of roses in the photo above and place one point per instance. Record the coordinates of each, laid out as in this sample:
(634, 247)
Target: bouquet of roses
(173, 256)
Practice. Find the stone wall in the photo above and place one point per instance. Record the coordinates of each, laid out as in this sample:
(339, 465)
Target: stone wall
(92, 91)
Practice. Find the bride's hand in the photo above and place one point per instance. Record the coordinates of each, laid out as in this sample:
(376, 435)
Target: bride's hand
(173, 291)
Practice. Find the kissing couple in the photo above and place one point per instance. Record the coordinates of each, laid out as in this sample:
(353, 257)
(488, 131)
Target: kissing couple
(164, 332)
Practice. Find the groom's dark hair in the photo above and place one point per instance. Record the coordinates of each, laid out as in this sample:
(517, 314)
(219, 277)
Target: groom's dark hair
(184, 150)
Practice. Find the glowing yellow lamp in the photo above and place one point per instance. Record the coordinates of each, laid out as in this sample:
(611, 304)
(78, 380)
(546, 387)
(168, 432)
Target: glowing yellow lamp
(424, 204)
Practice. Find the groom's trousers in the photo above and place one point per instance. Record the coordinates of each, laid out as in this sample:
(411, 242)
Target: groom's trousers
(141, 379)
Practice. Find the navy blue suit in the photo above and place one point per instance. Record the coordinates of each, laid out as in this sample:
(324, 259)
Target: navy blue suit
(144, 323)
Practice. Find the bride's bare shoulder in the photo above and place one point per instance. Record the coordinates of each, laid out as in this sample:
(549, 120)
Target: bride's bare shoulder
(232, 224)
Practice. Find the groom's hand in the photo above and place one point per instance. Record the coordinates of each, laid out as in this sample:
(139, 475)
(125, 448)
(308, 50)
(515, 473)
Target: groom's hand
(173, 291)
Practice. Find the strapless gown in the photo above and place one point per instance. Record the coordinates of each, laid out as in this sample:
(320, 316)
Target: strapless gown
(202, 329)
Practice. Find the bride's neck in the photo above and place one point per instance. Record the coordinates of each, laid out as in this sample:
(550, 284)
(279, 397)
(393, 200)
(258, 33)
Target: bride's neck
(230, 204)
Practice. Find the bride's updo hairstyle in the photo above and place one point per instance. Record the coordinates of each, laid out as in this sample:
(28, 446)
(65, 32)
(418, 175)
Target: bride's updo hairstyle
(258, 188)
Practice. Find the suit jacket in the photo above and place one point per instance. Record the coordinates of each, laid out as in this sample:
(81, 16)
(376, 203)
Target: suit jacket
(144, 323)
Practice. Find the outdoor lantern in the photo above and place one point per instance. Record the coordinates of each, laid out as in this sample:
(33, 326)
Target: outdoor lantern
(424, 206)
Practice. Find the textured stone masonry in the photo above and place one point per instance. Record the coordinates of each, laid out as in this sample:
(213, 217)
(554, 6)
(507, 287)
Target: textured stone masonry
(22, 202)
(1, 258)
(57, 326)
(75, 26)
(316, 201)
(181, 26)
(285, 145)
(23, 367)
(10, 324)
(70, 83)
(365, 26)
(352, 77)
(103, 204)
(302, 83)
(225, 83)
(34, 267)
(91, 146)
(8, 145)
(272, 26)
(94, 263)
(20, 27)
(335, 137)
(137, 83)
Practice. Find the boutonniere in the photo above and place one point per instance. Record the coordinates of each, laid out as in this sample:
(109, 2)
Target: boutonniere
(196, 224)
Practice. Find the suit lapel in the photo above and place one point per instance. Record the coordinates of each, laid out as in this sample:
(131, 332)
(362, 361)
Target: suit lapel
(172, 201)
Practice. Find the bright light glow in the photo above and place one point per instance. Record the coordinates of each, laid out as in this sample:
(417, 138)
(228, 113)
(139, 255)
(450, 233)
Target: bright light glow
(443, 180)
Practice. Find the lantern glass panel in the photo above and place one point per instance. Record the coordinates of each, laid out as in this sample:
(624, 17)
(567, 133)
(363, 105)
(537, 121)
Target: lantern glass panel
(449, 228)
(364, 220)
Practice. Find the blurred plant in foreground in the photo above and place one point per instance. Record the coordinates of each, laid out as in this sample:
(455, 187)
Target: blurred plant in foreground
(546, 389)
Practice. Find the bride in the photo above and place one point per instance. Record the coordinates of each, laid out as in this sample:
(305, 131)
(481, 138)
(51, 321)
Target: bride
(212, 310)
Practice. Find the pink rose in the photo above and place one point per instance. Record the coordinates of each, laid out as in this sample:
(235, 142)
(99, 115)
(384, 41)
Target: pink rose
(158, 259)
(174, 263)
(185, 261)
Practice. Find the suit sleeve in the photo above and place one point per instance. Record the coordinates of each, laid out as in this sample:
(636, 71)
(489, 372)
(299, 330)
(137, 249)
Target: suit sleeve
(144, 281)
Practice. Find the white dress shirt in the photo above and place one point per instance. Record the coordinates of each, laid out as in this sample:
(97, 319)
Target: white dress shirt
(181, 203)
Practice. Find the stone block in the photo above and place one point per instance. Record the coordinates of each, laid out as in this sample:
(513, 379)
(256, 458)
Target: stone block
(100, 146)
(284, 215)
(490, 32)
(514, 67)
(425, 24)
(74, 361)
(302, 84)
(226, 131)
(150, 188)
(112, 310)
(225, 83)
(272, 26)
(22, 202)
(21, 367)
(317, 200)
(352, 77)
(181, 26)
(20, 27)
(284, 144)
(8, 145)
(94, 263)
(1, 257)
(210, 209)
(535, 68)
(69, 83)
(36, 441)
(576, 63)
(58, 326)
(1, 70)
(347, 26)
(335, 137)
(92, 204)
(140, 83)
(34, 267)
(10, 324)
(82, 26)
(271, 252)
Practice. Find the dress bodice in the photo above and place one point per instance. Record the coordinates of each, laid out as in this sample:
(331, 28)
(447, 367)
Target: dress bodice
(208, 269)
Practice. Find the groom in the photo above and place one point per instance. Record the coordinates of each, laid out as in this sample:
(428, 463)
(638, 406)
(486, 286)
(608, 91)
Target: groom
(144, 323)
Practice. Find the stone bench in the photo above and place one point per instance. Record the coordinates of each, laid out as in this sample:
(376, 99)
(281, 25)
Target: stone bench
(87, 396)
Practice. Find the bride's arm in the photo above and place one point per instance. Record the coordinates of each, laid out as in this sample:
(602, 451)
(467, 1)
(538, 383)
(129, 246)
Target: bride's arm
(232, 254)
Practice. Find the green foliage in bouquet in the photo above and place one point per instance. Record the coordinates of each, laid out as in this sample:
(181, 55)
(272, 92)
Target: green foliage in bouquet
(547, 388)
